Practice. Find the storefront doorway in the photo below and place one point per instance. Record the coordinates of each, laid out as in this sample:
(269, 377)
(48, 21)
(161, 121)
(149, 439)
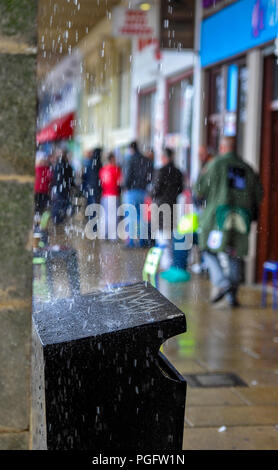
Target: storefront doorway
(267, 247)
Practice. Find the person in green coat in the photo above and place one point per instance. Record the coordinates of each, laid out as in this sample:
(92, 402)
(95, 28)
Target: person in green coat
(232, 193)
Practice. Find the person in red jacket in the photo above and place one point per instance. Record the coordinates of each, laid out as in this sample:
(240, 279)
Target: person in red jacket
(42, 183)
(110, 176)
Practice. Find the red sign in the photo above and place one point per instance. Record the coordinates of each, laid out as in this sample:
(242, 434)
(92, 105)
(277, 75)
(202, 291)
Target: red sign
(131, 22)
(62, 128)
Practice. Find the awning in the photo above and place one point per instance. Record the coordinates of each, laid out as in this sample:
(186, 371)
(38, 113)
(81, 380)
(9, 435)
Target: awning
(58, 129)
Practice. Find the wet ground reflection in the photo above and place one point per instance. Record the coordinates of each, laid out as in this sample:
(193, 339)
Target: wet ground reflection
(98, 264)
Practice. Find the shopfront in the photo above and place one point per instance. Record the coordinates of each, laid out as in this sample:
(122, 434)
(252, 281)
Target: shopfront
(241, 83)
(163, 93)
(268, 233)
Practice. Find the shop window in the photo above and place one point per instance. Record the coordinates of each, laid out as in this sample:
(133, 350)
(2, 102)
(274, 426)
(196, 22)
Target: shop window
(227, 104)
(146, 119)
(242, 108)
(217, 90)
(178, 137)
(178, 95)
(232, 88)
(175, 94)
(230, 117)
(216, 108)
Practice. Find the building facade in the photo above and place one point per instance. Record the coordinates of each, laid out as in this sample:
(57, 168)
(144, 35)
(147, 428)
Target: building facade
(133, 90)
(239, 74)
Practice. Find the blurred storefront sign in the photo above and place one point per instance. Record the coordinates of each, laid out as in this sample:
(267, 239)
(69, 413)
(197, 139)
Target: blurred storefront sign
(240, 26)
(173, 24)
(57, 105)
(58, 93)
(59, 129)
(131, 22)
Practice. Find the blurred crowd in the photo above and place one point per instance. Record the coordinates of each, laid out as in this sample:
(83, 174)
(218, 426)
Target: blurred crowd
(135, 182)
(225, 201)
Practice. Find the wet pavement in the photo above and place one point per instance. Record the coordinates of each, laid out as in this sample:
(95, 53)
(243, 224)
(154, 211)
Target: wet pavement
(243, 341)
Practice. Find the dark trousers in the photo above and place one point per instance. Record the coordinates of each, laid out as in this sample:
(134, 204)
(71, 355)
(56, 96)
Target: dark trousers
(59, 207)
(224, 270)
(41, 202)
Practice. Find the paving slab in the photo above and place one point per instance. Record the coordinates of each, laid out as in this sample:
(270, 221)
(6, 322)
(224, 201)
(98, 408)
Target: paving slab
(259, 395)
(213, 397)
(14, 441)
(259, 378)
(216, 362)
(234, 438)
(231, 415)
(14, 369)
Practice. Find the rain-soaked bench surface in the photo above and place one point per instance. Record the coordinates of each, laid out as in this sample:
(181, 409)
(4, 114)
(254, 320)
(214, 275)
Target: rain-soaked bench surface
(102, 312)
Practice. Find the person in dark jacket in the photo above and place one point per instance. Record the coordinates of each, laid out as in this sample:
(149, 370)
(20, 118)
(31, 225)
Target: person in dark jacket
(168, 183)
(233, 193)
(138, 176)
(61, 184)
(91, 185)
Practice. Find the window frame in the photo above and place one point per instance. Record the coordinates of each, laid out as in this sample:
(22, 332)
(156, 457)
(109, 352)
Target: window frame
(170, 81)
(212, 117)
(143, 92)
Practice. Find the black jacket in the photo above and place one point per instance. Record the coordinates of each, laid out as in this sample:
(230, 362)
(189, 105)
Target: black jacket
(139, 172)
(62, 180)
(90, 176)
(168, 184)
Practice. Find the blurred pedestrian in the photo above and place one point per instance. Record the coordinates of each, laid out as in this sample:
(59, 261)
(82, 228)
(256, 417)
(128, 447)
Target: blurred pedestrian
(232, 193)
(205, 157)
(167, 185)
(91, 186)
(138, 176)
(110, 178)
(61, 185)
(42, 182)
